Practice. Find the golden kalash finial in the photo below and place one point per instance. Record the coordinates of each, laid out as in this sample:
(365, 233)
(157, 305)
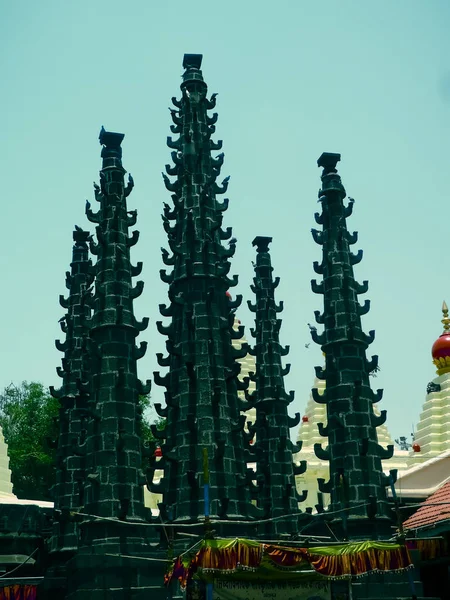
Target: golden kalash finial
(446, 320)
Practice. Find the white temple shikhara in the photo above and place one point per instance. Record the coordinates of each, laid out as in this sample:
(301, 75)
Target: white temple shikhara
(433, 430)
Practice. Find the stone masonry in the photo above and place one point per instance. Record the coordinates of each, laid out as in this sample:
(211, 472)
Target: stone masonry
(357, 482)
(202, 404)
(115, 535)
(275, 491)
(68, 491)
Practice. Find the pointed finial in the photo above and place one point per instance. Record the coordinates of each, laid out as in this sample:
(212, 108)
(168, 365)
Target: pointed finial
(110, 139)
(331, 181)
(192, 61)
(262, 243)
(192, 73)
(328, 161)
(80, 236)
(446, 320)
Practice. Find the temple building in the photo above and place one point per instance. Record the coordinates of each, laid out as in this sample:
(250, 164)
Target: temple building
(433, 431)
(430, 453)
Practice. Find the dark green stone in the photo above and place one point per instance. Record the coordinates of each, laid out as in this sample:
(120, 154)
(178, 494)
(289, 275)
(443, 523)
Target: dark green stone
(356, 473)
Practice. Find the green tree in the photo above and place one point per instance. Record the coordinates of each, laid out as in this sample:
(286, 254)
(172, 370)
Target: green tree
(29, 418)
(147, 436)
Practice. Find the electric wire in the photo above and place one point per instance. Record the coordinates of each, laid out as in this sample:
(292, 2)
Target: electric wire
(21, 564)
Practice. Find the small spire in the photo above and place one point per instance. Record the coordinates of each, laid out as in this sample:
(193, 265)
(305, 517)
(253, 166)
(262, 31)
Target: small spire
(446, 320)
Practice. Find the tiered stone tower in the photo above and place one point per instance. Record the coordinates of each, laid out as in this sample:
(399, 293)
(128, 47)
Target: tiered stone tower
(203, 408)
(276, 492)
(68, 491)
(113, 530)
(357, 482)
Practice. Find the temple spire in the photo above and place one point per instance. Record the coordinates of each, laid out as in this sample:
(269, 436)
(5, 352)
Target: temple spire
(68, 491)
(275, 473)
(115, 518)
(114, 354)
(203, 408)
(357, 483)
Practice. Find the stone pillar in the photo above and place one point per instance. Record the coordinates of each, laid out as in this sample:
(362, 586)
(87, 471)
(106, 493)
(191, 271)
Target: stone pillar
(357, 483)
(68, 491)
(115, 536)
(203, 408)
(275, 492)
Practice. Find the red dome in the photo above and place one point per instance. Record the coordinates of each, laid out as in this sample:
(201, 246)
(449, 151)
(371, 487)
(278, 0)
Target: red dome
(158, 452)
(416, 447)
(441, 347)
(305, 419)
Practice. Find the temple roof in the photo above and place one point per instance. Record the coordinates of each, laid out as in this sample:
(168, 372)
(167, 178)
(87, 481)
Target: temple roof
(423, 479)
(435, 509)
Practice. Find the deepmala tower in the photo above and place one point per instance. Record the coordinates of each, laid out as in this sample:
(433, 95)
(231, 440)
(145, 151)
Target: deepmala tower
(204, 441)
(276, 492)
(206, 444)
(73, 396)
(114, 533)
(357, 484)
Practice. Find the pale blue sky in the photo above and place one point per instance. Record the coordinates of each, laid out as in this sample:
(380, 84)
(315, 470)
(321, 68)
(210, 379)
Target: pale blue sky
(295, 78)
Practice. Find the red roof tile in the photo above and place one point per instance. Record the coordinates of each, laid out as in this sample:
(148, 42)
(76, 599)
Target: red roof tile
(431, 511)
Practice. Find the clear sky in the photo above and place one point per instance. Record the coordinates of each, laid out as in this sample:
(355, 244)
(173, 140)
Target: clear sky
(370, 80)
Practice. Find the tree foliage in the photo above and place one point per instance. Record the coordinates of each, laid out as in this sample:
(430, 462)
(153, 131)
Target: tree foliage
(29, 418)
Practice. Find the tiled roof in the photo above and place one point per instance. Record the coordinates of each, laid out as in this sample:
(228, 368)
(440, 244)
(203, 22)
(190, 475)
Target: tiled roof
(432, 511)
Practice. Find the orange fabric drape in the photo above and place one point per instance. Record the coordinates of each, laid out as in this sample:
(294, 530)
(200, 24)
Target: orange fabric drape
(225, 556)
(286, 557)
(361, 558)
(237, 555)
(430, 549)
(18, 592)
(358, 563)
(230, 556)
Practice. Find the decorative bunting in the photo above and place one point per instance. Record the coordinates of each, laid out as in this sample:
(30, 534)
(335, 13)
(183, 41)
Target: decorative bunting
(250, 560)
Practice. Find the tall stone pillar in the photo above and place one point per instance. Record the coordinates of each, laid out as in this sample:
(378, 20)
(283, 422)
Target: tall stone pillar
(115, 536)
(202, 405)
(68, 491)
(357, 483)
(275, 492)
